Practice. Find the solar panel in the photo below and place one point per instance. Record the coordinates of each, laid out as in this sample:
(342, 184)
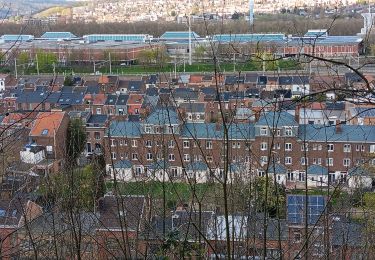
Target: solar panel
(296, 208)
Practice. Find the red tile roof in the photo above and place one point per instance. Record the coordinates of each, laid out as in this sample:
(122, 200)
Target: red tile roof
(46, 123)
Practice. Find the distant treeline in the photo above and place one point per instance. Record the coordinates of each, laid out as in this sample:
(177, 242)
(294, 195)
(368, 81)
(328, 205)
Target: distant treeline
(291, 25)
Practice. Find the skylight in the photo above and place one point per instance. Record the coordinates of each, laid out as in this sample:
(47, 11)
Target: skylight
(45, 132)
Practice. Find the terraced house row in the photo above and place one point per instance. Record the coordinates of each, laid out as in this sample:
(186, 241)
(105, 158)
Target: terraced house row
(165, 147)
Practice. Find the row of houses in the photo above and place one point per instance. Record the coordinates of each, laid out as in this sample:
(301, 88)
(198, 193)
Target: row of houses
(130, 227)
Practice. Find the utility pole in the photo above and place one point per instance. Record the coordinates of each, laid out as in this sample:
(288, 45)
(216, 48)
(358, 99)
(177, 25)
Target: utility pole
(37, 63)
(15, 67)
(189, 21)
(110, 63)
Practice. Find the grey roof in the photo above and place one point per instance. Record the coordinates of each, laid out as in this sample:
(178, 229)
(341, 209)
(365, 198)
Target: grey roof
(193, 107)
(185, 93)
(122, 100)
(240, 131)
(358, 171)
(97, 119)
(111, 99)
(135, 85)
(38, 97)
(277, 168)
(163, 116)
(159, 165)
(317, 170)
(196, 166)
(150, 101)
(364, 112)
(124, 129)
(348, 133)
(123, 164)
(276, 119)
(348, 233)
(71, 98)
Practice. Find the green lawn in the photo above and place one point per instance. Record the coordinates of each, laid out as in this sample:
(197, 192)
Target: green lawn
(174, 192)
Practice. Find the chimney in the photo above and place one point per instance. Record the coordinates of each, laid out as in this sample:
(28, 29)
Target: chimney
(217, 126)
(338, 127)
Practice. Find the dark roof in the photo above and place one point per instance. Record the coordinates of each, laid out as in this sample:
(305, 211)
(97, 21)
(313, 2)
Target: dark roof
(262, 80)
(346, 232)
(93, 89)
(38, 97)
(135, 85)
(193, 107)
(129, 208)
(335, 105)
(97, 119)
(71, 98)
(152, 92)
(277, 119)
(122, 100)
(111, 100)
(163, 116)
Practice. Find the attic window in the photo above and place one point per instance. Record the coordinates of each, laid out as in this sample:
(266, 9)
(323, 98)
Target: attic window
(45, 132)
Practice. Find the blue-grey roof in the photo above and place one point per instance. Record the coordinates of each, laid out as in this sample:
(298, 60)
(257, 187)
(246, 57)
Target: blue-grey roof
(122, 100)
(196, 166)
(159, 165)
(348, 133)
(364, 111)
(150, 101)
(123, 164)
(193, 107)
(38, 97)
(238, 131)
(358, 171)
(345, 232)
(135, 85)
(163, 116)
(74, 98)
(111, 99)
(58, 35)
(178, 36)
(277, 168)
(256, 37)
(97, 119)
(317, 170)
(277, 119)
(152, 92)
(124, 129)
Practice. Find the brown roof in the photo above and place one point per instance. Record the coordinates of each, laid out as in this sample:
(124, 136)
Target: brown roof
(196, 78)
(96, 99)
(135, 99)
(46, 123)
(118, 212)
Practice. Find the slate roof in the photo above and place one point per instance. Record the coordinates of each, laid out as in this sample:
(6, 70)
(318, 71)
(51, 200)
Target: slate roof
(124, 129)
(163, 116)
(277, 168)
(135, 85)
(348, 133)
(97, 119)
(122, 100)
(38, 97)
(185, 93)
(276, 119)
(152, 92)
(159, 165)
(239, 131)
(123, 164)
(358, 171)
(196, 166)
(317, 170)
(348, 233)
(111, 100)
(193, 107)
(71, 98)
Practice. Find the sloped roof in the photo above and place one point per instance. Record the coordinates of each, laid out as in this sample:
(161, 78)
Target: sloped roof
(124, 129)
(47, 123)
(358, 171)
(123, 164)
(276, 119)
(240, 131)
(317, 170)
(277, 168)
(196, 166)
(163, 116)
(348, 133)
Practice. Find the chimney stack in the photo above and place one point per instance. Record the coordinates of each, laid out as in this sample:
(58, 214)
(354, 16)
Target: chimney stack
(338, 127)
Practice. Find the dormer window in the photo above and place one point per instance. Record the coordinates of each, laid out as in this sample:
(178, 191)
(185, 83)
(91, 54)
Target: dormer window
(147, 129)
(45, 132)
(263, 131)
(288, 132)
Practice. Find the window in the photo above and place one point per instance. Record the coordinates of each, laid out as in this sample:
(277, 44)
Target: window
(360, 147)
(134, 156)
(315, 147)
(346, 162)
(147, 129)
(347, 148)
(113, 142)
(208, 144)
(320, 147)
(329, 161)
(113, 155)
(149, 156)
(304, 160)
(319, 161)
(171, 157)
(126, 142)
(170, 129)
(136, 111)
(209, 158)
(121, 111)
(138, 171)
(304, 147)
(134, 143)
(263, 146)
(157, 129)
(288, 160)
(171, 143)
(263, 131)
(263, 159)
(288, 147)
(44, 132)
(121, 142)
(297, 237)
(174, 172)
(98, 111)
(148, 143)
(372, 148)
(187, 157)
(330, 147)
(186, 144)
(49, 148)
(288, 132)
